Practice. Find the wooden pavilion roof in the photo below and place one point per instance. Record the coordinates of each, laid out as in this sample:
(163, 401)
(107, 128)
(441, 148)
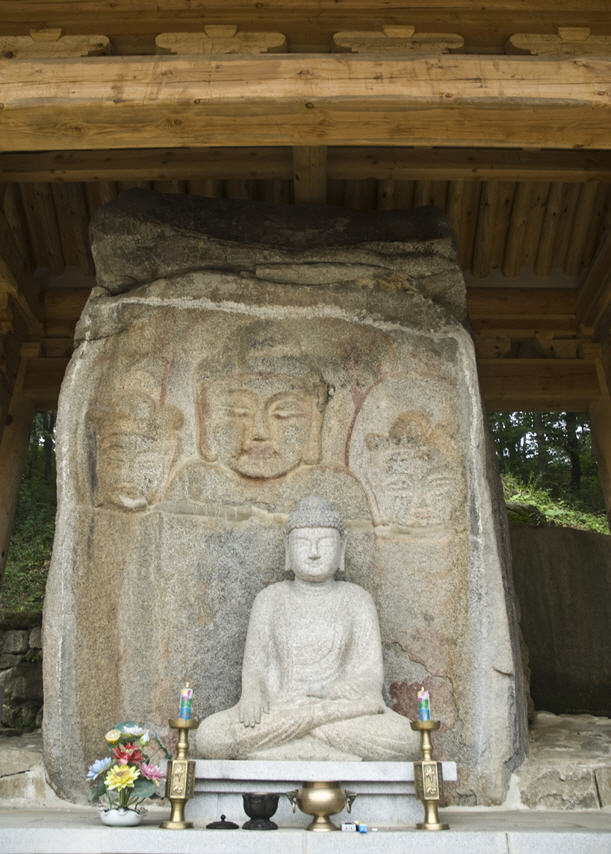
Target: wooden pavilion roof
(515, 148)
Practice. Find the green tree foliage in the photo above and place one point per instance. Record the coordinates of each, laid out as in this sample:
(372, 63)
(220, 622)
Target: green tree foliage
(546, 462)
(29, 550)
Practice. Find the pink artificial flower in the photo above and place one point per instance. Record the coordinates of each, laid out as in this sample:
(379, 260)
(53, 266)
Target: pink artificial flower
(127, 753)
(151, 772)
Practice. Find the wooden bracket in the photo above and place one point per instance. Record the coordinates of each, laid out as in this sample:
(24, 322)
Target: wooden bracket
(397, 40)
(569, 41)
(49, 43)
(220, 39)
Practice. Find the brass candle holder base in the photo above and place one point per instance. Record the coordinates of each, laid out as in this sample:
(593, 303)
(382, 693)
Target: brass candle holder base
(180, 776)
(428, 777)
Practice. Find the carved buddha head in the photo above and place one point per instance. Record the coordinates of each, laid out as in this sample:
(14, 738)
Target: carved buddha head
(419, 483)
(134, 439)
(315, 540)
(260, 407)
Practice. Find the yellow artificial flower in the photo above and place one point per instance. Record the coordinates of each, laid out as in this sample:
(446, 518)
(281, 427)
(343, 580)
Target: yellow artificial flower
(113, 736)
(121, 777)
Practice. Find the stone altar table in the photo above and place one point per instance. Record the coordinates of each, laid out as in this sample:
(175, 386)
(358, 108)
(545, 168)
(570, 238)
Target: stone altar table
(385, 790)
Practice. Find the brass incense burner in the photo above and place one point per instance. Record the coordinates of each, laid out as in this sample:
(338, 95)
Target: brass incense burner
(321, 800)
(428, 778)
(180, 777)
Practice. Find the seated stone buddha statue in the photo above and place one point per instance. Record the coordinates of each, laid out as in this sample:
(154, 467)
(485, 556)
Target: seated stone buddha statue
(312, 670)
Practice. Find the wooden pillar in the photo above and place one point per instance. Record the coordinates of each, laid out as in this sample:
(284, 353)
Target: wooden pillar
(310, 174)
(600, 423)
(13, 452)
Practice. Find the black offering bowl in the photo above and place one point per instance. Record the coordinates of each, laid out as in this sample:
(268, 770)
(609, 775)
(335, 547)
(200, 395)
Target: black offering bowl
(260, 806)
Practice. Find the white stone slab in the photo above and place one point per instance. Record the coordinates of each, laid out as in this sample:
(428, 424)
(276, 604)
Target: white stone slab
(78, 831)
(223, 769)
(385, 790)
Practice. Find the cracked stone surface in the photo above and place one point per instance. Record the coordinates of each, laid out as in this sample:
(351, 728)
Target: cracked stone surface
(22, 774)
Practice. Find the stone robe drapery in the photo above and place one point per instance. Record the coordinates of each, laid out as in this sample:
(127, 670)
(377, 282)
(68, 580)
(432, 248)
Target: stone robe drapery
(314, 653)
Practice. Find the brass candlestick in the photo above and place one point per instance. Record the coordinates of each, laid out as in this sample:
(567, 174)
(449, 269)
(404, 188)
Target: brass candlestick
(180, 776)
(428, 777)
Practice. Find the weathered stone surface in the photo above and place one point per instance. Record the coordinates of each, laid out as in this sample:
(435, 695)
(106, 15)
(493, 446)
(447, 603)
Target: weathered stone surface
(22, 686)
(563, 582)
(15, 642)
(22, 775)
(603, 785)
(569, 762)
(35, 638)
(234, 360)
(23, 682)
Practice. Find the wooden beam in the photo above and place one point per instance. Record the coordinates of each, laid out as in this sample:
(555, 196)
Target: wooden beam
(342, 99)
(507, 384)
(480, 164)
(539, 384)
(310, 173)
(275, 163)
(42, 380)
(62, 308)
(155, 164)
(522, 309)
(10, 286)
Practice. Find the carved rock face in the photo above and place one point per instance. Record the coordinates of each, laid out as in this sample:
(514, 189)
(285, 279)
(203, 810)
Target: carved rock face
(235, 359)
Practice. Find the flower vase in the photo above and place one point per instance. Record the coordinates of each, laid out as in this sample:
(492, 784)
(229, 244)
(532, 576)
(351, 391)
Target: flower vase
(121, 817)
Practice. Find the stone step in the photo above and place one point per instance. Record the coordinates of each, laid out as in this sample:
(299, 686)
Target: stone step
(77, 831)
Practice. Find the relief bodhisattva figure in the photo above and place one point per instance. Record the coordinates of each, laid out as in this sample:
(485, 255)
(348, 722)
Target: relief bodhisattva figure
(312, 671)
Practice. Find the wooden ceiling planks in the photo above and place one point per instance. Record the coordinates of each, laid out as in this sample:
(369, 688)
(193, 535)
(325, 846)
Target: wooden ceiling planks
(537, 215)
(513, 226)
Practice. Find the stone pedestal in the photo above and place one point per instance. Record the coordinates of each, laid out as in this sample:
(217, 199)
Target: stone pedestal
(234, 358)
(385, 790)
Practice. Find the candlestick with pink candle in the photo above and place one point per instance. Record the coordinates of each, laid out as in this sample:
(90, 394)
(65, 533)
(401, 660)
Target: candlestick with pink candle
(424, 705)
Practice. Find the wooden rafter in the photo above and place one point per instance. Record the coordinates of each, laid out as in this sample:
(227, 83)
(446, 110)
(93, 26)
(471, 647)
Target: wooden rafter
(150, 102)
(594, 297)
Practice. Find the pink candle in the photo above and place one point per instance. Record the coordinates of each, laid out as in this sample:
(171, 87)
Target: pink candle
(186, 700)
(424, 705)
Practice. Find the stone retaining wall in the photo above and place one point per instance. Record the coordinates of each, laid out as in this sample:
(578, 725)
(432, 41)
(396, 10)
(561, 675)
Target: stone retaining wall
(21, 674)
(562, 580)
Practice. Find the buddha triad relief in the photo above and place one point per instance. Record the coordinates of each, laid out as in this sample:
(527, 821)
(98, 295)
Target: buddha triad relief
(228, 366)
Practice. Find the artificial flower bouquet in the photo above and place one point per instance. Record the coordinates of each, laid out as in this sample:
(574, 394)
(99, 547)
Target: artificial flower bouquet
(128, 775)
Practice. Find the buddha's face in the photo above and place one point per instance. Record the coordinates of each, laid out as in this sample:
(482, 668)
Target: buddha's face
(315, 554)
(259, 426)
